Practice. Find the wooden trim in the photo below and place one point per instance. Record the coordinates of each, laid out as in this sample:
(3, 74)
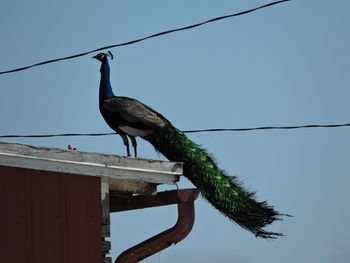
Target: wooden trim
(160, 199)
(105, 207)
(120, 186)
(86, 163)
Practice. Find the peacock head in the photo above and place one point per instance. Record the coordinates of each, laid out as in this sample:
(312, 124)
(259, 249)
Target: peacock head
(103, 57)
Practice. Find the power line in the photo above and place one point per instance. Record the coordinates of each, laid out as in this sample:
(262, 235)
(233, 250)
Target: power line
(57, 135)
(187, 131)
(144, 38)
(271, 128)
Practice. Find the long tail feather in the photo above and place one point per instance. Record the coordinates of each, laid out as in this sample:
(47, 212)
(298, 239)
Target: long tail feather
(224, 192)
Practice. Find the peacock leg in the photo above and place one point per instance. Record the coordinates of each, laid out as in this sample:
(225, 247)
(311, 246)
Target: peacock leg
(126, 143)
(134, 144)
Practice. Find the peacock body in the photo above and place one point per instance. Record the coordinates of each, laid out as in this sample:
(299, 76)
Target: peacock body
(225, 193)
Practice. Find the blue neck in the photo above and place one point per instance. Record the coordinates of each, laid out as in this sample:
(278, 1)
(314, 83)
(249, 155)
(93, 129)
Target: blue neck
(105, 85)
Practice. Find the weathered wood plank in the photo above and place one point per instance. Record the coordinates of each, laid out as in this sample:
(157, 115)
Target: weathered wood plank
(131, 186)
(105, 221)
(86, 163)
(106, 230)
(106, 260)
(160, 199)
(106, 246)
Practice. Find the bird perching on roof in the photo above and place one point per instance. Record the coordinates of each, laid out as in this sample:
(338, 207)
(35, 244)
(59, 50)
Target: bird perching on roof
(127, 116)
(131, 118)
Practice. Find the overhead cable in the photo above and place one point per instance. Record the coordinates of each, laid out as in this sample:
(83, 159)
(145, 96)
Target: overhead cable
(186, 131)
(144, 38)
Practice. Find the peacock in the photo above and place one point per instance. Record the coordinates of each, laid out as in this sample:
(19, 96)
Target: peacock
(131, 118)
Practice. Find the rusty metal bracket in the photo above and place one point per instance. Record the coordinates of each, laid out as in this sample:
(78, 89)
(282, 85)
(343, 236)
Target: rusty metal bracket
(185, 202)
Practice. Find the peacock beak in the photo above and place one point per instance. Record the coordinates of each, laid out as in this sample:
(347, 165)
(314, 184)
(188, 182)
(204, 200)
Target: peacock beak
(95, 57)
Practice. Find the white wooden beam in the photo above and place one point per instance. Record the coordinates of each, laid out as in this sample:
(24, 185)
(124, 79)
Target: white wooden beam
(86, 163)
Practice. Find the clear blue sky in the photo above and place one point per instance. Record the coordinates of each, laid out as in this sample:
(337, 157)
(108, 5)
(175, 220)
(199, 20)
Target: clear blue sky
(285, 65)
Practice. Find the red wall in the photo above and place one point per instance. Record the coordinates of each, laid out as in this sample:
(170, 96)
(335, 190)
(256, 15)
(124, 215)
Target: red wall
(49, 217)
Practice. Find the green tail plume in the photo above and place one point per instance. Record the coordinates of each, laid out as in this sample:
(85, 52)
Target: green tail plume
(222, 191)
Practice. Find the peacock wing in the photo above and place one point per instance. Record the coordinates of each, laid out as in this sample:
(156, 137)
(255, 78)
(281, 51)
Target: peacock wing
(134, 112)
